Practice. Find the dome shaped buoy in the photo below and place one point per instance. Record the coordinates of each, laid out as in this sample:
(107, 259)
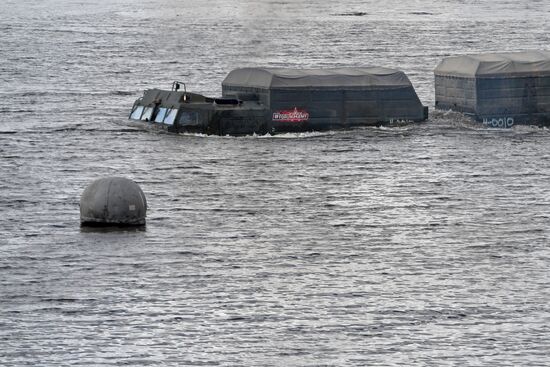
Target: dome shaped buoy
(113, 201)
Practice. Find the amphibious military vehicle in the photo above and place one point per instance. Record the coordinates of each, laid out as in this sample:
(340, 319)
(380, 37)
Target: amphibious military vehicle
(274, 100)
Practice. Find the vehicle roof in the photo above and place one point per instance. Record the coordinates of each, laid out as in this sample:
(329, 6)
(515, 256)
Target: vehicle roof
(535, 63)
(265, 78)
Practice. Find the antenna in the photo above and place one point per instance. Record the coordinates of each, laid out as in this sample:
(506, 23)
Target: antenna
(176, 86)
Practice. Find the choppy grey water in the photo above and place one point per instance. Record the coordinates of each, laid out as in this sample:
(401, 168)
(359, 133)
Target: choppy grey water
(418, 245)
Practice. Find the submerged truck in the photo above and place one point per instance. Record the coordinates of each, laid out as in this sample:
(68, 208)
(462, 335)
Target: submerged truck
(498, 89)
(276, 100)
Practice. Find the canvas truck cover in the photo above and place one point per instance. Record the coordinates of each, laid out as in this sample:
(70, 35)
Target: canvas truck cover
(509, 64)
(353, 78)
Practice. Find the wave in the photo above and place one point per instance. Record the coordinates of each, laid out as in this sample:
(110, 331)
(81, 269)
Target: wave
(289, 135)
(58, 93)
(9, 110)
(351, 14)
(457, 120)
(421, 13)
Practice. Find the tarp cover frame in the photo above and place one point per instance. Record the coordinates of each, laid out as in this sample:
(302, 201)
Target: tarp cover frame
(507, 64)
(350, 77)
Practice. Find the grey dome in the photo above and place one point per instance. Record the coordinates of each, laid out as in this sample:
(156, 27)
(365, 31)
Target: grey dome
(113, 200)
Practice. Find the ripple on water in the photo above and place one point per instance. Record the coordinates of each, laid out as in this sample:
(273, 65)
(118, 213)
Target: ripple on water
(423, 244)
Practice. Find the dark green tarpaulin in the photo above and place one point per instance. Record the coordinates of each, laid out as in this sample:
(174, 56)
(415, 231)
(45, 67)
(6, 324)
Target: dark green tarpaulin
(508, 64)
(357, 77)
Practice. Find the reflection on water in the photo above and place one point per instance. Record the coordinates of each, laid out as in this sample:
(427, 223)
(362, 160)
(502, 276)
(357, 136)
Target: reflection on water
(111, 229)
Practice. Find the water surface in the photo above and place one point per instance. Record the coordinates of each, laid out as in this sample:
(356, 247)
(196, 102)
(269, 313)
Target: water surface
(416, 245)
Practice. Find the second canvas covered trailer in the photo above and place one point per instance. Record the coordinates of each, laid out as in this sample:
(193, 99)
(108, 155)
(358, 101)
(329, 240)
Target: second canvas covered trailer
(498, 89)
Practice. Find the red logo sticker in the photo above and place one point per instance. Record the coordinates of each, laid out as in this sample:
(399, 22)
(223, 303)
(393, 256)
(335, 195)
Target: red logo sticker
(295, 115)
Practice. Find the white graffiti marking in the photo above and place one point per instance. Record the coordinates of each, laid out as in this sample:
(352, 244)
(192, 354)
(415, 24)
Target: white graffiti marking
(499, 122)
